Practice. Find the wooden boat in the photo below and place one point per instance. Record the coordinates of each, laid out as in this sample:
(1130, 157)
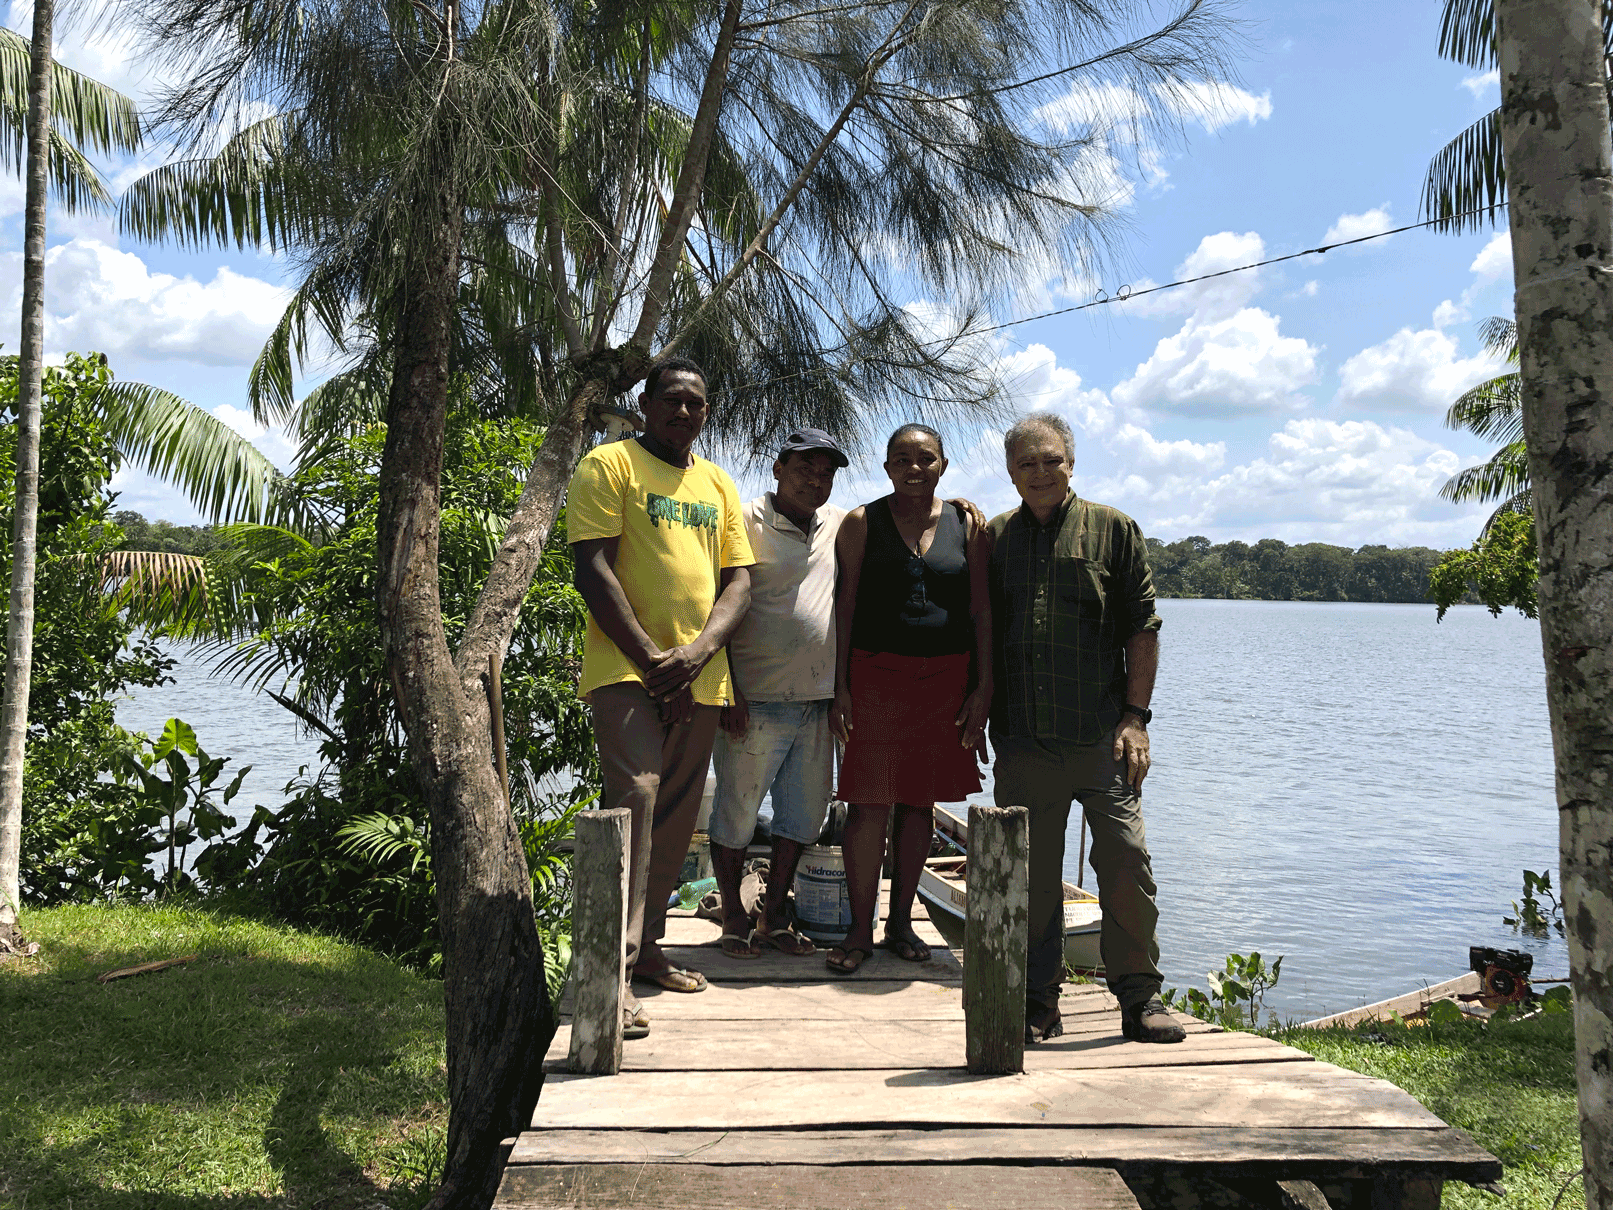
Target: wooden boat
(943, 886)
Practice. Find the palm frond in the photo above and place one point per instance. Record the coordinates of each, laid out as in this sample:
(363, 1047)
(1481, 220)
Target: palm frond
(86, 111)
(250, 194)
(1501, 478)
(382, 838)
(1467, 32)
(1492, 410)
(1500, 337)
(1465, 188)
(159, 589)
(222, 473)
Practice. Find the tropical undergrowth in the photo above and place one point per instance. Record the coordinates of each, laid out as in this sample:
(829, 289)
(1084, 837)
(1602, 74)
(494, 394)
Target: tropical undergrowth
(292, 614)
(79, 839)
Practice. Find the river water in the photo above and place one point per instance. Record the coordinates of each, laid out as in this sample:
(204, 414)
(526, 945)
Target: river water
(1350, 786)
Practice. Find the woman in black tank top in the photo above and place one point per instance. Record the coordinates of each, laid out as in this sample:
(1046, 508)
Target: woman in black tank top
(913, 682)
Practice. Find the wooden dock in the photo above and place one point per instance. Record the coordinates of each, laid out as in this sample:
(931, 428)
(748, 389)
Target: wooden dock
(784, 1087)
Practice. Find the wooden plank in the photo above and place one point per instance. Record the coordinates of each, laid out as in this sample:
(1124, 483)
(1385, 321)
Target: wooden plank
(785, 1045)
(599, 876)
(774, 967)
(995, 939)
(1413, 1002)
(1251, 1094)
(896, 1187)
(1292, 1152)
(887, 999)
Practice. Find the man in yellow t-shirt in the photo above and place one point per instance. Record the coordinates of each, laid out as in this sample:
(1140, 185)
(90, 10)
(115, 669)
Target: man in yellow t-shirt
(663, 562)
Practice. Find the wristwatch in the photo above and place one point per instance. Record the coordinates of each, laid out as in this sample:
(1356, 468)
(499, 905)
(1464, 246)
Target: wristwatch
(1142, 712)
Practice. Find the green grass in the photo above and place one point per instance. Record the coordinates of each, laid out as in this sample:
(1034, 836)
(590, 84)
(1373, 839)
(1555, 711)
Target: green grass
(280, 1069)
(1510, 1085)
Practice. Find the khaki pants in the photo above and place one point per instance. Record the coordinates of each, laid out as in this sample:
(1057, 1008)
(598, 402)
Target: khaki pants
(1044, 776)
(658, 772)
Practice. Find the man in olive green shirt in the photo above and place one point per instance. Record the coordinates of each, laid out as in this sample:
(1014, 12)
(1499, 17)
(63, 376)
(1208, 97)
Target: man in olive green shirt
(1076, 646)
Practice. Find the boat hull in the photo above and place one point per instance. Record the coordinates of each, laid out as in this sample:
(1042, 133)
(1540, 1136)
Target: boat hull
(944, 890)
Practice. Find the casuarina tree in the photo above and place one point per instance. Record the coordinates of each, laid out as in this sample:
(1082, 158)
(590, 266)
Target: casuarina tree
(822, 203)
(1554, 132)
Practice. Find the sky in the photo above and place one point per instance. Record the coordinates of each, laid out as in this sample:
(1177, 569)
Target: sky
(1303, 401)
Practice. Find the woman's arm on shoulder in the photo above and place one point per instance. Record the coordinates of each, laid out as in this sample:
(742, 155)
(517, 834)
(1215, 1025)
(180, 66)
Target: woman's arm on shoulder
(851, 543)
(977, 706)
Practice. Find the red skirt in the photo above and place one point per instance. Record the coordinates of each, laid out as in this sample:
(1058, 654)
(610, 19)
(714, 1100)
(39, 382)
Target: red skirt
(905, 741)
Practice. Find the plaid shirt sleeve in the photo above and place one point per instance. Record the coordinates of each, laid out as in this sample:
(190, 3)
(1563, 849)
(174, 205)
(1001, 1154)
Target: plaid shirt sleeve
(1066, 597)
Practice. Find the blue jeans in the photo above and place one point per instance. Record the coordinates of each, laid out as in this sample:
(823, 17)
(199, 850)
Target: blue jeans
(786, 749)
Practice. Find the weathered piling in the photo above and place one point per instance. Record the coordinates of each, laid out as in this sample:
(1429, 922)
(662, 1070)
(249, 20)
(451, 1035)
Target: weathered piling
(996, 939)
(598, 928)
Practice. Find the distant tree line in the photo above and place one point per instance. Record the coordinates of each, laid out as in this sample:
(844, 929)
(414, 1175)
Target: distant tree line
(1271, 570)
(140, 534)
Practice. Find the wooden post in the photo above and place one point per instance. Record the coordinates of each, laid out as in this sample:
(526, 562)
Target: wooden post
(996, 939)
(598, 940)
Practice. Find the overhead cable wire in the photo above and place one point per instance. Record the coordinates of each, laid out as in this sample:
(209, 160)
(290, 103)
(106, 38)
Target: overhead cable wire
(1126, 293)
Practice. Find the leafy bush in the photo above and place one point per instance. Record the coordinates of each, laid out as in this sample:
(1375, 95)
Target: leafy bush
(300, 614)
(1245, 982)
(1501, 569)
(81, 839)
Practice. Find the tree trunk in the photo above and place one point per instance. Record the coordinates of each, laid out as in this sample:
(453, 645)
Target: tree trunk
(24, 550)
(1554, 129)
(499, 1019)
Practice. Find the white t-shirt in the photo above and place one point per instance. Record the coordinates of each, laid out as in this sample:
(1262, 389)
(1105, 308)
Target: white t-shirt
(784, 648)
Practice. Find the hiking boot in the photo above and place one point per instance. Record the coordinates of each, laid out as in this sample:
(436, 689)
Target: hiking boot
(1042, 1023)
(1149, 1022)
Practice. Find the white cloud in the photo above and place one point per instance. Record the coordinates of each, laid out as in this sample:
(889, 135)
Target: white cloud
(1494, 260)
(1218, 297)
(1482, 86)
(1310, 288)
(1412, 369)
(1448, 313)
(1354, 481)
(1215, 105)
(103, 299)
(1354, 226)
(1124, 124)
(1223, 367)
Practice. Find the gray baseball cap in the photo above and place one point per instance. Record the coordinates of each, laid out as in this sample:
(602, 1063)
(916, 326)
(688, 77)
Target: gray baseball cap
(807, 440)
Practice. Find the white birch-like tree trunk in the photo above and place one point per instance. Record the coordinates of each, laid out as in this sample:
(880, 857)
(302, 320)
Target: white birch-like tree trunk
(1554, 130)
(24, 548)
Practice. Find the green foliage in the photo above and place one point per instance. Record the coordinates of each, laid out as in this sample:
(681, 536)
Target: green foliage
(1272, 570)
(1502, 568)
(295, 616)
(1244, 982)
(280, 1069)
(399, 850)
(80, 838)
(1529, 918)
(187, 806)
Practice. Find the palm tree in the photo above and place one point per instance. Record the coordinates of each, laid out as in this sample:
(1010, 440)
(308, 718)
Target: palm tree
(1466, 184)
(59, 113)
(106, 120)
(1493, 410)
(546, 198)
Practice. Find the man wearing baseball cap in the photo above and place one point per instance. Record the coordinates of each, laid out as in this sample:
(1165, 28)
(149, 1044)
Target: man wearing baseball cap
(775, 737)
